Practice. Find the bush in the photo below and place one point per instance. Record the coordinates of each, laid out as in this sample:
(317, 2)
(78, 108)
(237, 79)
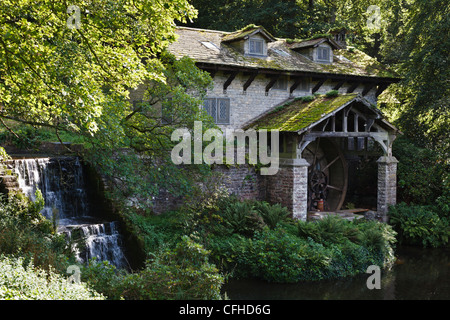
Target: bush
(179, 273)
(241, 217)
(155, 231)
(25, 232)
(271, 214)
(420, 225)
(422, 175)
(332, 93)
(331, 248)
(30, 283)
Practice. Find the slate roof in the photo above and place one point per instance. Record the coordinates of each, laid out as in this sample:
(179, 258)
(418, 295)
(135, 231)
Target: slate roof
(313, 43)
(208, 47)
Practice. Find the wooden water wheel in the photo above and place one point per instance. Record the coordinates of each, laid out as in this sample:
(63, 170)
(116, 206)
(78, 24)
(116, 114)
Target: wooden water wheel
(327, 174)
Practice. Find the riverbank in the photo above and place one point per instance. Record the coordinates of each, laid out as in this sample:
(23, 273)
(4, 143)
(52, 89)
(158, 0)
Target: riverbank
(418, 274)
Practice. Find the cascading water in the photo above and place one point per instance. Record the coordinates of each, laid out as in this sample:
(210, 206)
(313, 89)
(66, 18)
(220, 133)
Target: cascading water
(63, 187)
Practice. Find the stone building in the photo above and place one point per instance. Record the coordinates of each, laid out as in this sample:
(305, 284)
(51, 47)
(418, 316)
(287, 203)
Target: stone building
(319, 93)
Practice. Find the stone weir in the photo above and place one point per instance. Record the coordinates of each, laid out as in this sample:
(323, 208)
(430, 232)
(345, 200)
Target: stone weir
(70, 200)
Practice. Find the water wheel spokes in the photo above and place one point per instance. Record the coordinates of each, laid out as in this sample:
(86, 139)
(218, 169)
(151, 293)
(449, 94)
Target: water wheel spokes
(327, 174)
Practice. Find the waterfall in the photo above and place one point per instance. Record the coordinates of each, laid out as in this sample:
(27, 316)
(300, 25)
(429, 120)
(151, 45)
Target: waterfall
(103, 241)
(63, 187)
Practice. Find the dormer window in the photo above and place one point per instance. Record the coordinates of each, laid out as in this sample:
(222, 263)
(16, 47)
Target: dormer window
(256, 46)
(251, 40)
(323, 54)
(319, 50)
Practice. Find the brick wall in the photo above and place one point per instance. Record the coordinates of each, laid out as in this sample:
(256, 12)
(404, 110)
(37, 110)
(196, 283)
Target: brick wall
(243, 181)
(387, 185)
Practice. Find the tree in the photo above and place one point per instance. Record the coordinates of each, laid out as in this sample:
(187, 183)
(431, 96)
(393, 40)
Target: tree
(71, 68)
(419, 105)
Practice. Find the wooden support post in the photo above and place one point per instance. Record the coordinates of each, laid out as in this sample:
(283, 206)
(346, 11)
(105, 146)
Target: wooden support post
(344, 120)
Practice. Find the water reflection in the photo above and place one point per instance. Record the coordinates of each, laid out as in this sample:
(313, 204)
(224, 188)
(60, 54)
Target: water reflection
(419, 274)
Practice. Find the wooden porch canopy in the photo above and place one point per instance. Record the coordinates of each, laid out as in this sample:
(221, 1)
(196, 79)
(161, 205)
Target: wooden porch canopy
(341, 116)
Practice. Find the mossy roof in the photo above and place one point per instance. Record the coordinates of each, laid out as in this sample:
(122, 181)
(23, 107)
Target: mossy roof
(298, 114)
(280, 56)
(247, 31)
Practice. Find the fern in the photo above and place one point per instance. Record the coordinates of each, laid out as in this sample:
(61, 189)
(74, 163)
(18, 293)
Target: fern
(271, 214)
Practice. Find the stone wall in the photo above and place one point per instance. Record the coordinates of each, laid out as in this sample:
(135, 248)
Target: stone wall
(246, 107)
(243, 181)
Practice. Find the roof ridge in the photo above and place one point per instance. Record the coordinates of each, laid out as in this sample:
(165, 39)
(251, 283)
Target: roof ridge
(200, 29)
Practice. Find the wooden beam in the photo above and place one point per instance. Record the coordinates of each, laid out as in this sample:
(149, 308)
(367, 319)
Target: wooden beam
(327, 134)
(381, 88)
(249, 81)
(211, 72)
(338, 85)
(229, 80)
(367, 88)
(297, 82)
(353, 87)
(369, 124)
(271, 83)
(318, 84)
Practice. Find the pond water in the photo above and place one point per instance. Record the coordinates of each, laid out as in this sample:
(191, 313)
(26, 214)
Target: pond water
(419, 274)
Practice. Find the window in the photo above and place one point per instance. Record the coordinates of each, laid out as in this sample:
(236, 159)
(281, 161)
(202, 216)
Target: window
(281, 83)
(323, 54)
(256, 46)
(210, 45)
(218, 109)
